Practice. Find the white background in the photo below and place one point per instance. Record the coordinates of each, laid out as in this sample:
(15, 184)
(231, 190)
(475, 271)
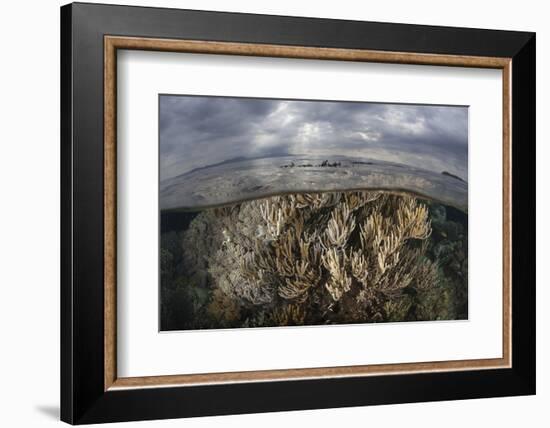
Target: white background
(29, 218)
(142, 351)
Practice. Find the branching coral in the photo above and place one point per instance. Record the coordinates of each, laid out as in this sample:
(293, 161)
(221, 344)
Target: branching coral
(339, 227)
(324, 257)
(339, 282)
(288, 315)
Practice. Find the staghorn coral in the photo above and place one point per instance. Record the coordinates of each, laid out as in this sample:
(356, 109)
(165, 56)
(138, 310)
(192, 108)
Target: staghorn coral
(314, 258)
(339, 227)
(288, 315)
(339, 282)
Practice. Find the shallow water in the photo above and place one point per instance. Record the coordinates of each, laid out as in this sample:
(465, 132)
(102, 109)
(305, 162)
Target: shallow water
(233, 182)
(202, 252)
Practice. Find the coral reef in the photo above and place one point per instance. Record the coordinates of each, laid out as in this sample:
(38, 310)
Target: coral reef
(315, 258)
(312, 259)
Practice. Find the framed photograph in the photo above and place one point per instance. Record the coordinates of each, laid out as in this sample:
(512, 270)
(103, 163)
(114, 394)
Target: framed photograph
(266, 213)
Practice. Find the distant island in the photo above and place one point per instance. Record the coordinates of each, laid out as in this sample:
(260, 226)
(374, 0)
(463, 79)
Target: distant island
(325, 163)
(448, 174)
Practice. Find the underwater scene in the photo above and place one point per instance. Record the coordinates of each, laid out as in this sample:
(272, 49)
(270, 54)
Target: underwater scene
(314, 259)
(281, 213)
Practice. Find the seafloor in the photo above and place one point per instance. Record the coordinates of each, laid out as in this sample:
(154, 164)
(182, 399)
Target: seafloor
(314, 259)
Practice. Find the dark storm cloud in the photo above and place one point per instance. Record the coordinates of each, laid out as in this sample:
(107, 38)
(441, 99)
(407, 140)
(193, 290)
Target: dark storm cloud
(200, 131)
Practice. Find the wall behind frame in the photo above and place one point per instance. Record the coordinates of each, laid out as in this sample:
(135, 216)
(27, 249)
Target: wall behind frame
(29, 218)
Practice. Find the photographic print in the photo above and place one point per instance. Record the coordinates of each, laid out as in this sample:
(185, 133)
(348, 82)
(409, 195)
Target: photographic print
(282, 212)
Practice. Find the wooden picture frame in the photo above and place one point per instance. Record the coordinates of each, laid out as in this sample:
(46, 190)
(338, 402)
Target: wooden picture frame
(91, 390)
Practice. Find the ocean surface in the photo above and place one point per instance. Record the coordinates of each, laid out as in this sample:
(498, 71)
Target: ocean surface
(245, 179)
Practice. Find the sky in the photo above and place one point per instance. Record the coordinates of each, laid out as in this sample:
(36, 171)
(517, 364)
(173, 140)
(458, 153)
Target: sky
(197, 131)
